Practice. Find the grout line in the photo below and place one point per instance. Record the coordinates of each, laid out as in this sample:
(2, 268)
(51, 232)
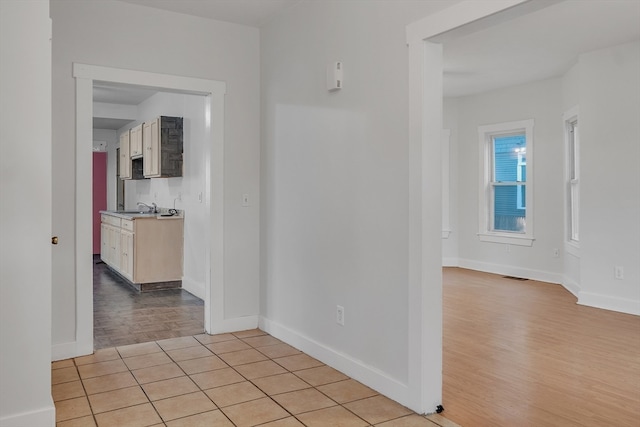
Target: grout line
(250, 381)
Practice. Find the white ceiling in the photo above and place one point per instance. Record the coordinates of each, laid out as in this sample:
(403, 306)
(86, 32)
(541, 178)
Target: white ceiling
(129, 95)
(122, 95)
(245, 12)
(541, 44)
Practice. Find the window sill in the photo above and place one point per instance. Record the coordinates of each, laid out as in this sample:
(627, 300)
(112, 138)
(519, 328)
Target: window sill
(510, 240)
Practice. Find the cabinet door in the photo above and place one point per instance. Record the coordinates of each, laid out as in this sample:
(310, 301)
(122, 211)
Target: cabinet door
(151, 148)
(104, 243)
(114, 247)
(125, 156)
(126, 254)
(135, 144)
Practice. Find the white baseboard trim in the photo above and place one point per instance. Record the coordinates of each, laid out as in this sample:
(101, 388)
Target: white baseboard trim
(235, 324)
(344, 363)
(68, 350)
(510, 270)
(570, 285)
(193, 287)
(450, 262)
(43, 417)
(622, 305)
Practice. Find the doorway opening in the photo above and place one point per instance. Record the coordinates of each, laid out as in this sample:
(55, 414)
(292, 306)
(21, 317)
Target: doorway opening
(149, 310)
(211, 194)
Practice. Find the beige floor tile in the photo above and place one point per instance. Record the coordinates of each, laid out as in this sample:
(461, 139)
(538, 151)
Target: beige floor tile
(441, 421)
(109, 382)
(206, 419)
(260, 369)
(377, 409)
(138, 349)
(233, 394)
(66, 363)
(217, 378)
(262, 341)
(254, 412)
(298, 362)
(68, 390)
(346, 391)
(249, 333)
(210, 339)
(282, 383)
(101, 355)
(146, 360)
(184, 406)
(72, 408)
(228, 346)
(285, 422)
(413, 420)
(279, 350)
(321, 375)
(169, 388)
(157, 373)
(133, 416)
(117, 399)
(336, 416)
(242, 357)
(203, 364)
(78, 422)
(301, 401)
(101, 368)
(181, 354)
(64, 375)
(174, 343)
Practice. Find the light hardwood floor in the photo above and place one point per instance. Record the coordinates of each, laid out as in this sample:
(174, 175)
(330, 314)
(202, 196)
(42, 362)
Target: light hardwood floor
(523, 353)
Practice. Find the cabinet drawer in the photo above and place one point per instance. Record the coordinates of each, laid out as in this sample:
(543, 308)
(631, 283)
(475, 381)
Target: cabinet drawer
(127, 224)
(111, 220)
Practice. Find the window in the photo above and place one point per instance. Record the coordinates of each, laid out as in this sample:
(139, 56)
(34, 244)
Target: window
(572, 176)
(506, 214)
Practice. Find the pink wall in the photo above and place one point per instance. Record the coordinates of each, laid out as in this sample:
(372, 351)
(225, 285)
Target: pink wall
(99, 195)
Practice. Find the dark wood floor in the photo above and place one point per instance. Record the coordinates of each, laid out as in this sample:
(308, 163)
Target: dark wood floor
(523, 353)
(124, 316)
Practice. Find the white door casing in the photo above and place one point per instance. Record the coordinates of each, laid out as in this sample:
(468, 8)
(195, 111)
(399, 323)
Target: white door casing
(214, 92)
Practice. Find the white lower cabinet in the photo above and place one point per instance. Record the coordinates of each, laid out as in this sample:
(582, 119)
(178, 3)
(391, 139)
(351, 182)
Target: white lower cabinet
(143, 250)
(126, 254)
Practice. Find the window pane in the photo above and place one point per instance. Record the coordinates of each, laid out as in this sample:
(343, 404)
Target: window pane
(509, 158)
(508, 214)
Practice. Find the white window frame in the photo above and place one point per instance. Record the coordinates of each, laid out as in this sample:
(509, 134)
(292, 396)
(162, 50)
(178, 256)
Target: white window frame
(521, 163)
(572, 187)
(486, 134)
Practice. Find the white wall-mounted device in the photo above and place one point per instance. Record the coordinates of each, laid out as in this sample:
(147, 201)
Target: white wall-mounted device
(334, 76)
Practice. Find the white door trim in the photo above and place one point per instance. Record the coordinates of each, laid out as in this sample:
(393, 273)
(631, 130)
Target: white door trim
(214, 91)
(425, 193)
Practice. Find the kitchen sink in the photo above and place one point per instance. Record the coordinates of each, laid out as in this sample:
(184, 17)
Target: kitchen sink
(136, 212)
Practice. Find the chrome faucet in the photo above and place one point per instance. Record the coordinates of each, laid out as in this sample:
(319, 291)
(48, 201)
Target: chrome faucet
(153, 208)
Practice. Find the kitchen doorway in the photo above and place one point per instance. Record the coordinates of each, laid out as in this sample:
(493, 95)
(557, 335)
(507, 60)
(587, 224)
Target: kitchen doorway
(212, 195)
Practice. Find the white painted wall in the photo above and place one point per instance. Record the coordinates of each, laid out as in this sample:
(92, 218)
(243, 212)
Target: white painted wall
(335, 183)
(152, 40)
(25, 214)
(450, 247)
(540, 101)
(610, 177)
(164, 191)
